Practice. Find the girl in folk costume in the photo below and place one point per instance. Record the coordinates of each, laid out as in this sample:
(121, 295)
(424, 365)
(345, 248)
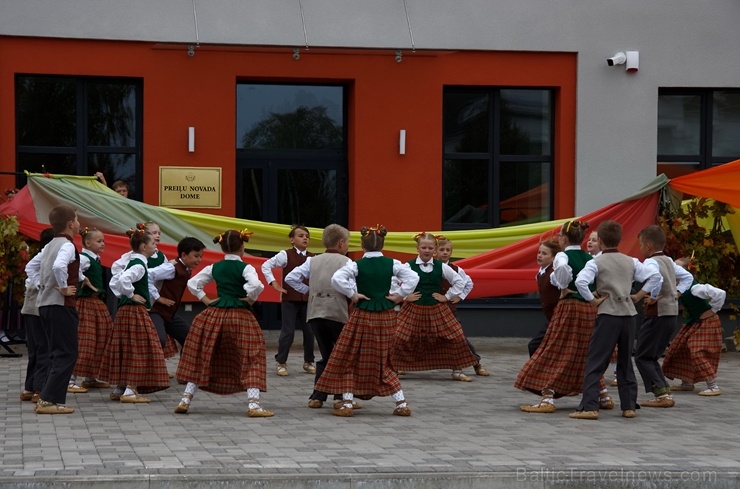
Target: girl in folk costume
(157, 259)
(95, 326)
(549, 293)
(556, 368)
(225, 350)
(693, 355)
(428, 337)
(133, 359)
(443, 254)
(359, 364)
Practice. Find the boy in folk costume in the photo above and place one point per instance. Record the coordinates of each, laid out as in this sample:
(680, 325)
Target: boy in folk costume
(328, 309)
(58, 267)
(659, 317)
(292, 304)
(693, 355)
(174, 276)
(613, 274)
(443, 253)
(36, 341)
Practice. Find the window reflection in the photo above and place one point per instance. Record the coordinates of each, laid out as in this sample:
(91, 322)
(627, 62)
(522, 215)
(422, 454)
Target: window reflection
(289, 117)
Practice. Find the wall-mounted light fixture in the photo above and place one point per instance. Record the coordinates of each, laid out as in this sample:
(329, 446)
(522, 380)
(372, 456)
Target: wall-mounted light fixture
(631, 60)
(399, 56)
(191, 139)
(191, 50)
(402, 142)
(296, 54)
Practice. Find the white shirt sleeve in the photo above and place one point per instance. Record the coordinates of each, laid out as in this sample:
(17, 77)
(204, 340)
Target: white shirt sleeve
(277, 261)
(648, 272)
(165, 271)
(84, 264)
(197, 284)
(343, 279)
(455, 280)
(561, 274)
(33, 269)
(586, 277)
(296, 277)
(715, 296)
(252, 285)
(123, 283)
(65, 256)
(684, 278)
(120, 264)
(406, 277)
(467, 283)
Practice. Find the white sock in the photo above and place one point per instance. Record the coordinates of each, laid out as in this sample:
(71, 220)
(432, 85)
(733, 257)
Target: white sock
(253, 393)
(398, 396)
(190, 391)
(712, 384)
(129, 391)
(613, 367)
(73, 380)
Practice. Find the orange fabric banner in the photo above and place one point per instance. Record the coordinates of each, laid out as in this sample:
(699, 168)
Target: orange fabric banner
(719, 183)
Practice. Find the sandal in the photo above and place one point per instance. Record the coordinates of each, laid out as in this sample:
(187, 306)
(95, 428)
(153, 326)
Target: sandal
(605, 402)
(258, 412)
(402, 411)
(345, 410)
(712, 391)
(461, 377)
(183, 407)
(282, 370)
(480, 370)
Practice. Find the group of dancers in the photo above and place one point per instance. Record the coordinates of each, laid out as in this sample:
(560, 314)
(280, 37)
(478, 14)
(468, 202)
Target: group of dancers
(351, 308)
(589, 302)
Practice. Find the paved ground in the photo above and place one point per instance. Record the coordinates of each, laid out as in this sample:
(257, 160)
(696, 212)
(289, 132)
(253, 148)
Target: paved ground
(460, 435)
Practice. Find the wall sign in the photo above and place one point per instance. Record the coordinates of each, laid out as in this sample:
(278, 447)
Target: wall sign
(188, 186)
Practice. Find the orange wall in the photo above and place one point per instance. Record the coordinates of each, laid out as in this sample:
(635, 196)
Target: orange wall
(401, 191)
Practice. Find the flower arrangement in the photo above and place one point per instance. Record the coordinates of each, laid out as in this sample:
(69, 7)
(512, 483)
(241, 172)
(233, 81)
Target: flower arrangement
(14, 254)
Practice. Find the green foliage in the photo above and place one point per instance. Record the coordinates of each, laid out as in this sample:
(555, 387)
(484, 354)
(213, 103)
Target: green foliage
(712, 251)
(14, 254)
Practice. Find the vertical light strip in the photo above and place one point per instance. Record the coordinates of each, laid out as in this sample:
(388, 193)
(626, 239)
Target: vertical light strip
(303, 21)
(408, 22)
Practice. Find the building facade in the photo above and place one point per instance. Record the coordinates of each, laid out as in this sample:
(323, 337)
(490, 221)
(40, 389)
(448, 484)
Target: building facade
(418, 114)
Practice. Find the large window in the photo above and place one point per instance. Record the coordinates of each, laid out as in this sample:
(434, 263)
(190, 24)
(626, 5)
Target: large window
(291, 153)
(498, 157)
(80, 126)
(697, 129)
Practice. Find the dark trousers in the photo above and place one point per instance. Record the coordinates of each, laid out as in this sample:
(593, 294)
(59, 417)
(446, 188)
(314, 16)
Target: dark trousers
(326, 333)
(536, 340)
(178, 328)
(60, 327)
(652, 340)
(609, 331)
(38, 353)
(294, 314)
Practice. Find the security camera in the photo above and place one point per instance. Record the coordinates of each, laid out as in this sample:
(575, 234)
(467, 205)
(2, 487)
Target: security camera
(617, 59)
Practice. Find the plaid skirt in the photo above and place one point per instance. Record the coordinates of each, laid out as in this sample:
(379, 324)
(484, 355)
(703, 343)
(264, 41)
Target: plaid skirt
(429, 338)
(693, 355)
(94, 330)
(359, 362)
(133, 355)
(560, 361)
(225, 352)
(170, 347)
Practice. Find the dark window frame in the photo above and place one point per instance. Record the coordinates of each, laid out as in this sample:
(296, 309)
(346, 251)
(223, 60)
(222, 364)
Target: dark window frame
(704, 158)
(81, 151)
(494, 156)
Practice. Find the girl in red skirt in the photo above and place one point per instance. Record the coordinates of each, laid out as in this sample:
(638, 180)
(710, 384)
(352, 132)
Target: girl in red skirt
(693, 355)
(95, 326)
(225, 350)
(133, 359)
(428, 337)
(556, 368)
(359, 364)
